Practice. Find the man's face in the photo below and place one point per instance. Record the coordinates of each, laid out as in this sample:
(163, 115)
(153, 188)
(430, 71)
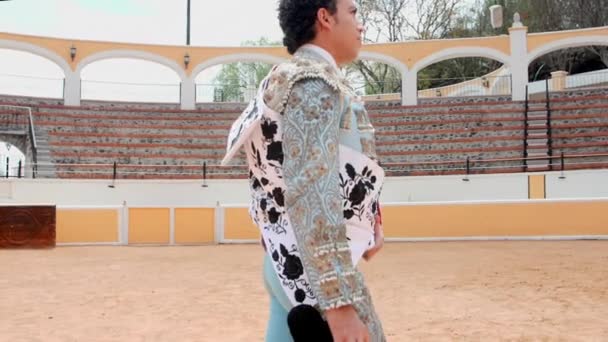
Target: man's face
(346, 33)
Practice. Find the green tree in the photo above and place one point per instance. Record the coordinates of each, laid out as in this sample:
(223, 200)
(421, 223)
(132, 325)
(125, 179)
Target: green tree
(235, 79)
(550, 15)
(400, 20)
(394, 21)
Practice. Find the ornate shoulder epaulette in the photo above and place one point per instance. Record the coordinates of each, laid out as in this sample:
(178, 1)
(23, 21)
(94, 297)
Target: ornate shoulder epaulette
(283, 78)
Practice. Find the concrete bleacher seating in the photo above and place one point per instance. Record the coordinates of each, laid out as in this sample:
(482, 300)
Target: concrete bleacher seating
(429, 138)
(145, 143)
(433, 138)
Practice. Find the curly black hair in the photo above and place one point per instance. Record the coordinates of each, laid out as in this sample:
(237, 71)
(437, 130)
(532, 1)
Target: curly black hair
(298, 18)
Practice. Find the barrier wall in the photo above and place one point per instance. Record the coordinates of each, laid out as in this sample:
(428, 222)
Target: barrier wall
(536, 206)
(123, 225)
(535, 219)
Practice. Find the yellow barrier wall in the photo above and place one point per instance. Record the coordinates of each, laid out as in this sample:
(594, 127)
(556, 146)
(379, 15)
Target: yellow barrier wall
(197, 225)
(194, 226)
(239, 226)
(492, 220)
(536, 187)
(149, 226)
(87, 226)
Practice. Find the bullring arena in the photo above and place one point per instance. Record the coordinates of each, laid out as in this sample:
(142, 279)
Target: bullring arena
(494, 209)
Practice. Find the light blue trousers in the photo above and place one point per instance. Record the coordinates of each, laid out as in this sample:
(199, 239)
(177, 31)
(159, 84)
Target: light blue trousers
(277, 330)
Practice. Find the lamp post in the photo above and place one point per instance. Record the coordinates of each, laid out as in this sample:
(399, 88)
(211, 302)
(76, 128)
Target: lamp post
(188, 24)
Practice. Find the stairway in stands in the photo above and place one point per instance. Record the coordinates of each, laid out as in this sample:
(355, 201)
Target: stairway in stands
(537, 136)
(46, 165)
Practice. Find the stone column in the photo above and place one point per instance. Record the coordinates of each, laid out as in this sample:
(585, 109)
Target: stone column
(558, 80)
(188, 94)
(71, 89)
(519, 59)
(409, 88)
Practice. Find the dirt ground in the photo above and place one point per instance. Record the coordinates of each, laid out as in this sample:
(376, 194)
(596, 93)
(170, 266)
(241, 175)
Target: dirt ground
(463, 291)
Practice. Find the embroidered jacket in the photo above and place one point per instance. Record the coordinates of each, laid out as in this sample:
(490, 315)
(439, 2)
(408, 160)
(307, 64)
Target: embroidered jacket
(303, 190)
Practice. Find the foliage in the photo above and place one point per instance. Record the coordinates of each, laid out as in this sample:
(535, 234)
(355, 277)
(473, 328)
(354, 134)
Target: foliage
(235, 79)
(400, 20)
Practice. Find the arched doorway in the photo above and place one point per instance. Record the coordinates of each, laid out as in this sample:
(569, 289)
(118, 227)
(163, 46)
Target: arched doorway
(12, 161)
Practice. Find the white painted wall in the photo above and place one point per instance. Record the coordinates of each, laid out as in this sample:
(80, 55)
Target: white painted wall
(453, 188)
(135, 193)
(507, 187)
(577, 184)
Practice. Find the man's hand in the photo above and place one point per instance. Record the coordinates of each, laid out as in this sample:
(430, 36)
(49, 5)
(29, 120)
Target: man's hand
(378, 238)
(346, 326)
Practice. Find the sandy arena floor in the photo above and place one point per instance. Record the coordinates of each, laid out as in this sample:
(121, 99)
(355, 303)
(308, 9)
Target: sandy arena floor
(473, 291)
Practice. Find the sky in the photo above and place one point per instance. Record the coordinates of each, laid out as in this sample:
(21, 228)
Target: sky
(213, 23)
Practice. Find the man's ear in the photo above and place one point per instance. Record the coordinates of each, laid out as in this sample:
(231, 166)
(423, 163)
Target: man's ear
(324, 18)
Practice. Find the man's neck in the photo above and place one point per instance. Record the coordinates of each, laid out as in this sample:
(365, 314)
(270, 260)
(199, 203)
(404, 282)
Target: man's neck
(321, 52)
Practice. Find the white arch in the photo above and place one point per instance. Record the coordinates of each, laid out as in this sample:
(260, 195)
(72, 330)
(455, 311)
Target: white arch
(460, 52)
(391, 61)
(38, 51)
(235, 58)
(171, 64)
(564, 44)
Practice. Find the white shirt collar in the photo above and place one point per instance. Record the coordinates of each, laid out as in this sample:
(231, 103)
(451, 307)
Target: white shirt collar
(322, 53)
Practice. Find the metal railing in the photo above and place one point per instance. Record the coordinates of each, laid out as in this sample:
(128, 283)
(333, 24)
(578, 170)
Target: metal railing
(564, 82)
(465, 166)
(491, 85)
(526, 125)
(118, 170)
(466, 86)
(12, 172)
(35, 86)
(549, 123)
(34, 142)
(385, 87)
(218, 92)
(469, 166)
(587, 80)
